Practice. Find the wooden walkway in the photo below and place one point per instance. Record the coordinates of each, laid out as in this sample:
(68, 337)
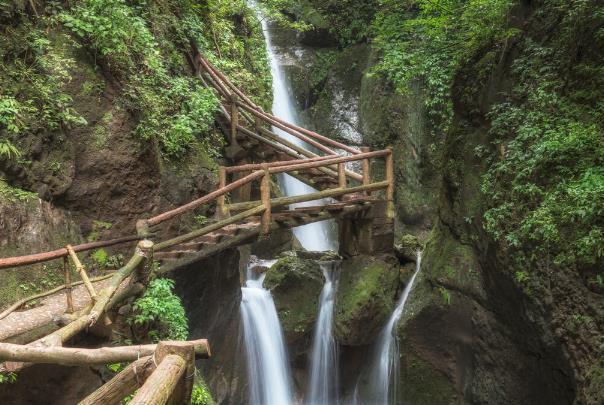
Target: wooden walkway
(246, 208)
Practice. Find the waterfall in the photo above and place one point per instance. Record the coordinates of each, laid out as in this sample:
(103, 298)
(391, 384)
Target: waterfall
(268, 369)
(322, 388)
(384, 372)
(315, 236)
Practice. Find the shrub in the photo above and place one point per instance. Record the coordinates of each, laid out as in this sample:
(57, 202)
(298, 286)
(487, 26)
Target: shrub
(161, 312)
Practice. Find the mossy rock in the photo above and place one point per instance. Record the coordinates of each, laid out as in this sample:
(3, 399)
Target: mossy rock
(296, 284)
(365, 298)
(406, 248)
(423, 384)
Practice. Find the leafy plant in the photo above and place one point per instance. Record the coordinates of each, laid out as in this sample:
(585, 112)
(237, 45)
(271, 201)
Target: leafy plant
(161, 312)
(8, 378)
(201, 394)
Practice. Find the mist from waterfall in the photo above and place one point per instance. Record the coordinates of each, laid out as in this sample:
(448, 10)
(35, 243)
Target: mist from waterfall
(382, 383)
(268, 368)
(322, 386)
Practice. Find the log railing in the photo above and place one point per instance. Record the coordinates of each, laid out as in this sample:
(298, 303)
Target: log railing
(160, 372)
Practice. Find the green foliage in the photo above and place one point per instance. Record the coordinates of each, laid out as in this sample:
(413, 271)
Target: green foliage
(201, 394)
(33, 96)
(115, 367)
(8, 378)
(546, 190)
(426, 40)
(14, 194)
(175, 111)
(97, 229)
(445, 294)
(100, 258)
(161, 311)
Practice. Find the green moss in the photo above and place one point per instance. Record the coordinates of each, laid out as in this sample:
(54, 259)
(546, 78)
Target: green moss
(296, 285)
(423, 384)
(365, 297)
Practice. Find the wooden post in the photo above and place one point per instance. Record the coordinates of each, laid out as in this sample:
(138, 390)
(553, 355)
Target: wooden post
(342, 175)
(265, 191)
(68, 295)
(145, 249)
(222, 211)
(173, 379)
(366, 168)
(234, 119)
(123, 384)
(390, 188)
(257, 124)
(81, 272)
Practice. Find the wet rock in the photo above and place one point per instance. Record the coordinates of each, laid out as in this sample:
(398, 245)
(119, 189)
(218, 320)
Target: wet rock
(365, 298)
(295, 282)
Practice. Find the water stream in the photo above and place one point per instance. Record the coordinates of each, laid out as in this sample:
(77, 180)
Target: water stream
(315, 236)
(382, 383)
(270, 381)
(322, 387)
(268, 368)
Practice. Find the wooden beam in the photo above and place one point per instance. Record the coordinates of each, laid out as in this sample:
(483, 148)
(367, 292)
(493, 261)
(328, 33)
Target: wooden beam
(205, 230)
(82, 272)
(265, 192)
(8, 262)
(220, 201)
(390, 188)
(206, 198)
(234, 118)
(123, 384)
(68, 288)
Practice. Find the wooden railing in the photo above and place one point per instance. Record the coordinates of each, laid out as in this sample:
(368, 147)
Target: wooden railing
(158, 373)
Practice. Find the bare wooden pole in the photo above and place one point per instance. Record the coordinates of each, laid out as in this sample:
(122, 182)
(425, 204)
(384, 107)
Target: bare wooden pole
(82, 272)
(159, 387)
(77, 356)
(68, 288)
(206, 198)
(342, 175)
(8, 262)
(366, 169)
(265, 192)
(390, 188)
(207, 229)
(220, 201)
(234, 118)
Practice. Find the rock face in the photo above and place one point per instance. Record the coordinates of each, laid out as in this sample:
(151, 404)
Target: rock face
(469, 334)
(365, 298)
(31, 225)
(211, 293)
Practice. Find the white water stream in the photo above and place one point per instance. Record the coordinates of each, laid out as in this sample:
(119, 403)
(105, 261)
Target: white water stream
(322, 386)
(383, 379)
(268, 368)
(315, 236)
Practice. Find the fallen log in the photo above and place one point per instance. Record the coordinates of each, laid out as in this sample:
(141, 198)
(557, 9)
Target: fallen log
(160, 385)
(126, 382)
(76, 357)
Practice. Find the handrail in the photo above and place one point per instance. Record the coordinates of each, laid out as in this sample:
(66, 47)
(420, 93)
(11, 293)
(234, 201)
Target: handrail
(339, 159)
(58, 253)
(208, 197)
(257, 166)
(292, 129)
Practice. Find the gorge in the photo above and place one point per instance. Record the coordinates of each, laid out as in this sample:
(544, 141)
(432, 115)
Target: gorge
(111, 112)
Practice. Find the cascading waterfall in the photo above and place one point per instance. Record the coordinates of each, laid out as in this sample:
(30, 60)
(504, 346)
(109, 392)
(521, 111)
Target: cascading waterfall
(384, 372)
(270, 381)
(322, 388)
(268, 369)
(315, 236)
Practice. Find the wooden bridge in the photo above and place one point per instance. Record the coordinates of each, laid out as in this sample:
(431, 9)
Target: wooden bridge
(247, 207)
